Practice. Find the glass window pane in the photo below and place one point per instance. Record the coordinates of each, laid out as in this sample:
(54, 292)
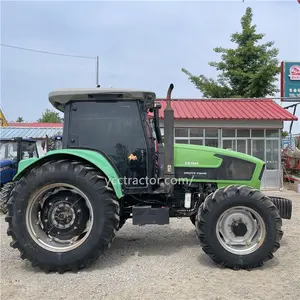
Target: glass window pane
(258, 149)
(229, 144)
(211, 132)
(272, 154)
(196, 132)
(181, 132)
(257, 133)
(272, 133)
(249, 147)
(243, 133)
(181, 141)
(228, 132)
(241, 146)
(196, 142)
(211, 143)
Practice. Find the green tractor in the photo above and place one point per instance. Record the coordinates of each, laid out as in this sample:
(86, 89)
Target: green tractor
(67, 206)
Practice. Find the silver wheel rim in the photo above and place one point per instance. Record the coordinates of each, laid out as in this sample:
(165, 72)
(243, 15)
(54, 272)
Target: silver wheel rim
(36, 226)
(240, 230)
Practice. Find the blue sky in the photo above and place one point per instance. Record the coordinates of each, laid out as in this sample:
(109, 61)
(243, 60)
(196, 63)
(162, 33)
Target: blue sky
(140, 45)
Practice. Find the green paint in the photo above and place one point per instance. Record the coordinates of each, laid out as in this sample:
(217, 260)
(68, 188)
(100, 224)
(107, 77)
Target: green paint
(184, 156)
(93, 157)
(187, 155)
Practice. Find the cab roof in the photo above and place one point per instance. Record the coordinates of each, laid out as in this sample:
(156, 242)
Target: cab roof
(60, 97)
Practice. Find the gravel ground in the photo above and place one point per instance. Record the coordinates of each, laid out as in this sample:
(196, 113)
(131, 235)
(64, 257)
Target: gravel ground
(155, 262)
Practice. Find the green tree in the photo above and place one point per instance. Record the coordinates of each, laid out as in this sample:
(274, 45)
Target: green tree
(248, 71)
(50, 116)
(20, 120)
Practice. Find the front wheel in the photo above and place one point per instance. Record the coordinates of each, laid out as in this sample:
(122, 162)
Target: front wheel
(239, 227)
(62, 216)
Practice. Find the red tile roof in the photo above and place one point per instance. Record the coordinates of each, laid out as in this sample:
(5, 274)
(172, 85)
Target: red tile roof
(36, 125)
(237, 109)
(209, 109)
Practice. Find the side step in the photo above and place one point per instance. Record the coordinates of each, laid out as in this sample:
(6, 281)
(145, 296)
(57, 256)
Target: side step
(143, 215)
(283, 205)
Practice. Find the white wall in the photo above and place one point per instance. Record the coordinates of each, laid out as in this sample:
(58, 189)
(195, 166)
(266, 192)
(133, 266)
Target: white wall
(226, 124)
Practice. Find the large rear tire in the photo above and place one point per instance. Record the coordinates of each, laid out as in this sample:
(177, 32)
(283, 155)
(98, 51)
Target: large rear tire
(239, 227)
(69, 200)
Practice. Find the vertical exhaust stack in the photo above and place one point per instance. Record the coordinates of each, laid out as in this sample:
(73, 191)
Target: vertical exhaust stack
(169, 143)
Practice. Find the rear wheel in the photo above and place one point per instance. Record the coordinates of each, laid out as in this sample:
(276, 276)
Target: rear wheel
(62, 216)
(193, 219)
(239, 227)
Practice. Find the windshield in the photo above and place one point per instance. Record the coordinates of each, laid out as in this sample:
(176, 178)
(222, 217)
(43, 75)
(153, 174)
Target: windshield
(58, 144)
(9, 150)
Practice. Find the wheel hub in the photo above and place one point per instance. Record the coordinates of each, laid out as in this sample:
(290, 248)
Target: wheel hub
(59, 217)
(62, 215)
(240, 230)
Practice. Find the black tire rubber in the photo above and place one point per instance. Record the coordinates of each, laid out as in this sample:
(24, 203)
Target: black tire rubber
(193, 219)
(103, 201)
(121, 223)
(219, 201)
(5, 194)
(285, 206)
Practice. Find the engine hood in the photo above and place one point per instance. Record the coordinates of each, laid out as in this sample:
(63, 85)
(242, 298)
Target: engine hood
(193, 155)
(5, 162)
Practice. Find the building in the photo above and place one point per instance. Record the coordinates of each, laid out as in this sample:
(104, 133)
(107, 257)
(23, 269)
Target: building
(249, 126)
(36, 131)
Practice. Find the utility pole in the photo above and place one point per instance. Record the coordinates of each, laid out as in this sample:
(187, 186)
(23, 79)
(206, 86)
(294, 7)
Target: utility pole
(97, 71)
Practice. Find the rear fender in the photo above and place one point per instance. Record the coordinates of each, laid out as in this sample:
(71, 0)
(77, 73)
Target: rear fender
(95, 158)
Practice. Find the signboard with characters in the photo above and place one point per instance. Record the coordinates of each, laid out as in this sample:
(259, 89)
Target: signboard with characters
(290, 79)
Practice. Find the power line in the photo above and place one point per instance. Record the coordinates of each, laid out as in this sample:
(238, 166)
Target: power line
(46, 52)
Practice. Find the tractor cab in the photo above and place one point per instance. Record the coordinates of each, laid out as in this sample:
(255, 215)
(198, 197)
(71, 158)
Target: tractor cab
(11, 152)
(115, 123)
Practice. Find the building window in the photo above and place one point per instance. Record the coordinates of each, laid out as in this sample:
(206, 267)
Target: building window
(181, 132)
(261, 143)
(211, 132)
(258, 133)
(258, 149)
(241, 146)
(272, 154)
(243, 133)
(196, 132)
(196, 142)
(228, 132)
(197, 136)
(229, 144)
(272, 133)
(181, 141)
(212, 142)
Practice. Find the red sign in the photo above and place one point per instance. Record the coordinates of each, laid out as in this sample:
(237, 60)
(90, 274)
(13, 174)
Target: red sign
(294, 72)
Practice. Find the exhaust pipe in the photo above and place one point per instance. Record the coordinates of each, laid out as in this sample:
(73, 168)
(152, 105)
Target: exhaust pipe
(169, 143)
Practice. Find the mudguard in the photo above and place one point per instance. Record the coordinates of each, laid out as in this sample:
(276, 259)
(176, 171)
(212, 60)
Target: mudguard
(93, 157)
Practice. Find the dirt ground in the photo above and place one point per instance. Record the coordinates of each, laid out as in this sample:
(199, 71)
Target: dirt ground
(155, 262)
